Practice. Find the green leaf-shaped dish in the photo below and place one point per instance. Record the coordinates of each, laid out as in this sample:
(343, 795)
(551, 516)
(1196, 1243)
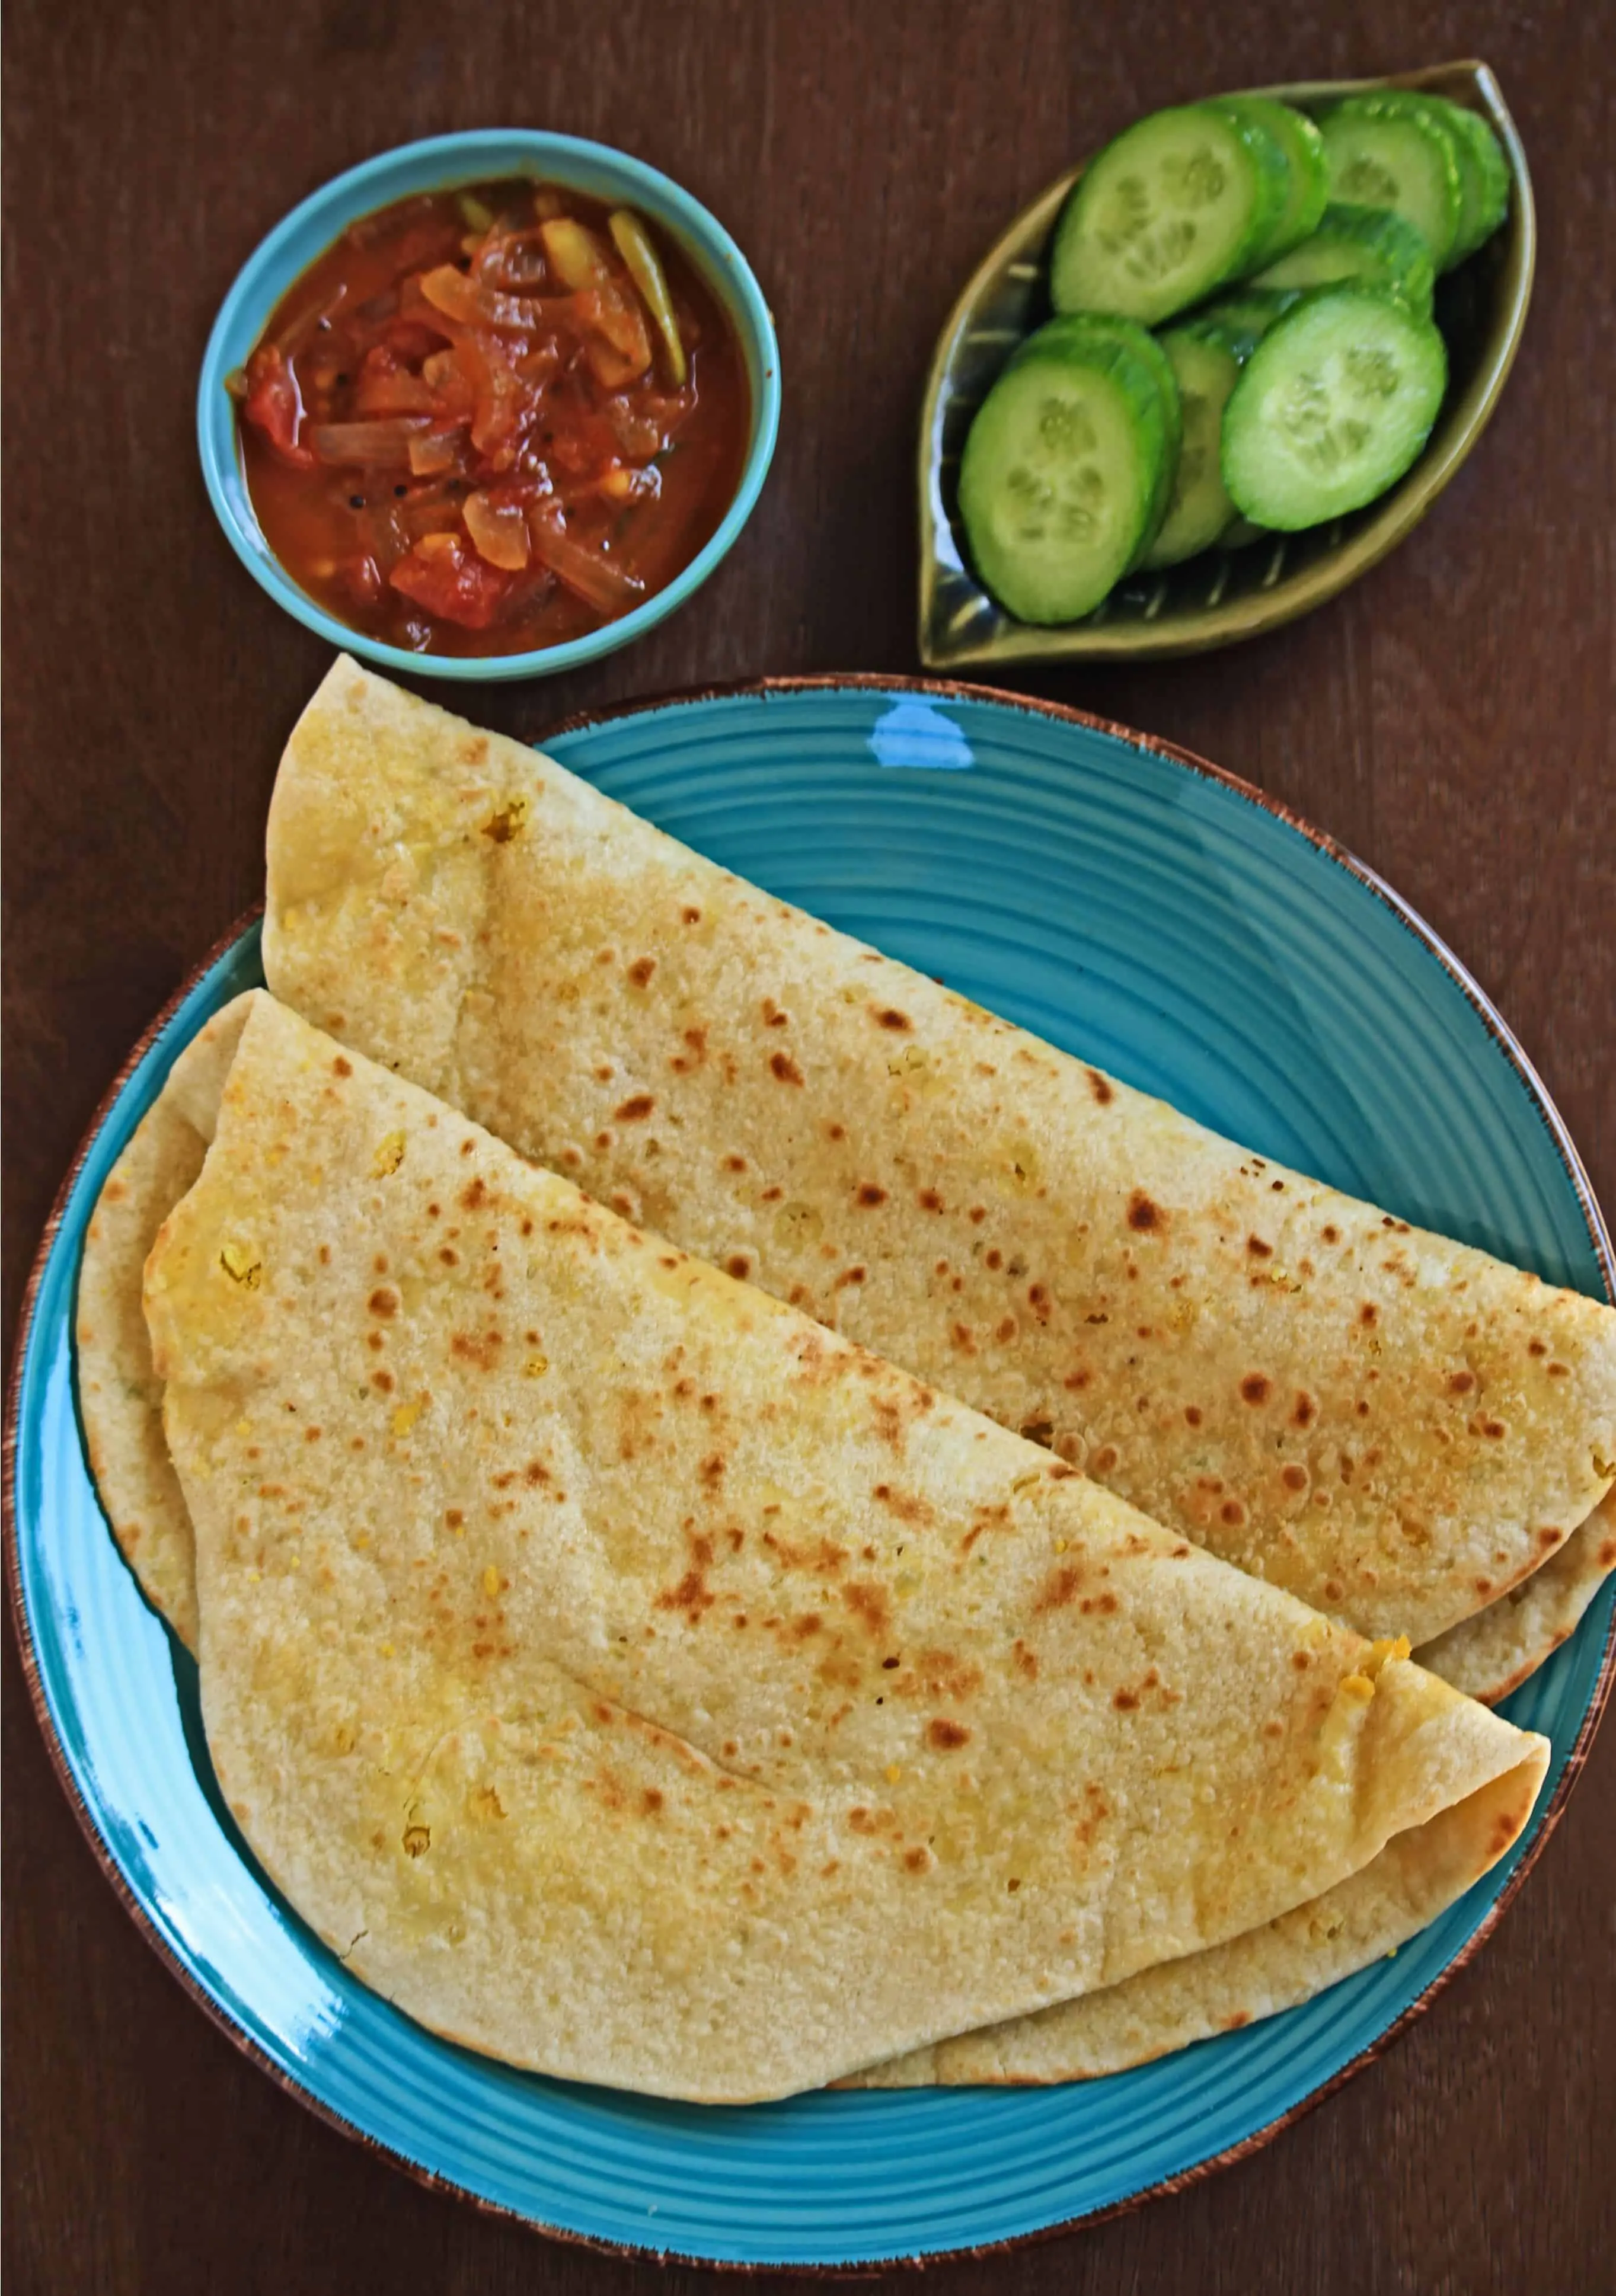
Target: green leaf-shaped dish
(1223, 595)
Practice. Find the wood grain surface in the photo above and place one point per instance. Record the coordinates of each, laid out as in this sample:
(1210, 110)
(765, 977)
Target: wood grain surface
(1449, 719)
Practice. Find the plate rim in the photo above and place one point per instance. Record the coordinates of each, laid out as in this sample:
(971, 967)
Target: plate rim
(578, 721)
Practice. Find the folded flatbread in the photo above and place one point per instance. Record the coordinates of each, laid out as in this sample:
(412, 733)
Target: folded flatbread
(119, 1395)
(1493, 1652)
(1395, 1427)
(1416, 1877)
(120, 1398)
(635, 1680)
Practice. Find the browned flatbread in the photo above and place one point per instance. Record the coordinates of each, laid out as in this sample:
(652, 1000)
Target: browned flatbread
(1395, 1427)
(1417, 1876)
(119, 1395)
(635, 1680)
(1492, 1654)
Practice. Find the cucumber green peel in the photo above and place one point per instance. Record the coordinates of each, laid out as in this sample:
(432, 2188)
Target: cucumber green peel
(1308, 177)
(1243, 317)
(1199, 507)
(1375, 245)
(1082, 329)
(1483, 178)
(1395, 150)
(1239, 321)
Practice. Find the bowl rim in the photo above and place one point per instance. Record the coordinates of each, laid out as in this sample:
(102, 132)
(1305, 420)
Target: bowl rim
(1204, 628)
(1545, 1817)
(441, 163)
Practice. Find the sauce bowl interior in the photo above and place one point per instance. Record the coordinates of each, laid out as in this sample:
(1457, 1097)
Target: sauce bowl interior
(442, 163)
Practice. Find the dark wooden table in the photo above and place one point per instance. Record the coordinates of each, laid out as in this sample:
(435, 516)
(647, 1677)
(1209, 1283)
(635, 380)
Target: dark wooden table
(1449, 719)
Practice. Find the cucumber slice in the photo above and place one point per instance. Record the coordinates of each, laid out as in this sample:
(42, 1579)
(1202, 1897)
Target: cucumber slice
(1331, 408)
(1199, 507)
(1100, 326)
(1237, 324)
(1178, 203)
(1244, 318)
(1067, 464)
(1483, 178)
(1307, 177)
(1375, 245)
(1395, 150)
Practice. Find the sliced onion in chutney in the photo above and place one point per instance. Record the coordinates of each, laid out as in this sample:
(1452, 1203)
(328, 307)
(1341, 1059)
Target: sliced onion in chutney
(487, 420)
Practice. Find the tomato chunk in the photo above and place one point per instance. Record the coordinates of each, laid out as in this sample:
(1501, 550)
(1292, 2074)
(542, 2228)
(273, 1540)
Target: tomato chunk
(446, 576)
(276, 405)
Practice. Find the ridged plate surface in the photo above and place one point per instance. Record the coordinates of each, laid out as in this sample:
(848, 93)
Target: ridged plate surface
(1127, 905)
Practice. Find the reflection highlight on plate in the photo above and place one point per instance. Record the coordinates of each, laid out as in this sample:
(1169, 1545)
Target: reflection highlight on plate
(918, 732)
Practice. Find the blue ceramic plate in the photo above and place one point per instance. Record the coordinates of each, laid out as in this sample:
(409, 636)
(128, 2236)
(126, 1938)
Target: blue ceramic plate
(1127, 903)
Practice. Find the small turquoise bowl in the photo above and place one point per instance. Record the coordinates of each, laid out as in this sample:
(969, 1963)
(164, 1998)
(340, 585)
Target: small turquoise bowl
(439, 164)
